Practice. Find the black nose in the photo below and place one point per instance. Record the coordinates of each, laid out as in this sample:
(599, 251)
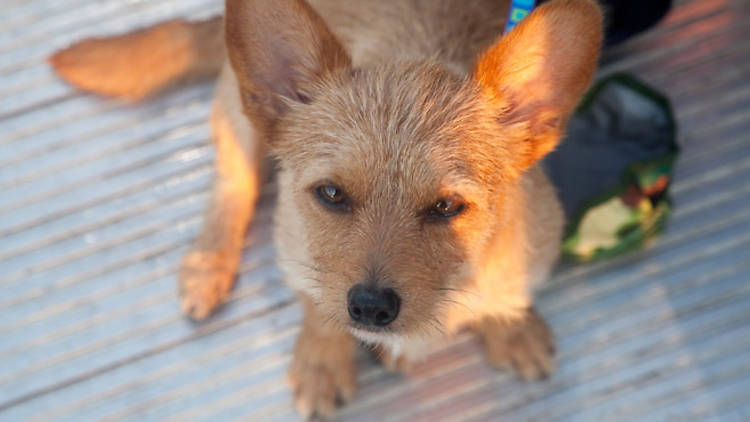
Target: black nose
(373, 306)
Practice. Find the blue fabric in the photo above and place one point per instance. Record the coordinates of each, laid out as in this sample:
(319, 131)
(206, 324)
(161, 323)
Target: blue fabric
(518, 10)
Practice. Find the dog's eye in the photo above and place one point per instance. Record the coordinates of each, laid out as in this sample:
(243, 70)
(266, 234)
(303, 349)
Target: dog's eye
(332, 197)
(448, 207)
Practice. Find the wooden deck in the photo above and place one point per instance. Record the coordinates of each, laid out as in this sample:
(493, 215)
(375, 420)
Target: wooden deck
(98, 200)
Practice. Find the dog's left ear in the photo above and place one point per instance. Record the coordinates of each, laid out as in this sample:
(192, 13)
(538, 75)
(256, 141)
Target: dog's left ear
(536, 74)
(277, 48)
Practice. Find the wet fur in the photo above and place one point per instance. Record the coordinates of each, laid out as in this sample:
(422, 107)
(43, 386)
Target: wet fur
(398, 103)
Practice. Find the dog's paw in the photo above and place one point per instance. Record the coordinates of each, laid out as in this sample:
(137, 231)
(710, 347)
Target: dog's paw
(322, 375)
(526, 346)
(205, 281)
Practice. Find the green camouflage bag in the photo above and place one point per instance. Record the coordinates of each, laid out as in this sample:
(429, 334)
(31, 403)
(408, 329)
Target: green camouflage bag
(613, 169)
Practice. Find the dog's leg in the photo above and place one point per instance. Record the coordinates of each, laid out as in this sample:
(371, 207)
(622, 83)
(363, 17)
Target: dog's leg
(209, 269)
(525, 345)
(323, 373)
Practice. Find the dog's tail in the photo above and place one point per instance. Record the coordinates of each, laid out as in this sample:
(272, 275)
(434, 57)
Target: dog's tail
(145, 62)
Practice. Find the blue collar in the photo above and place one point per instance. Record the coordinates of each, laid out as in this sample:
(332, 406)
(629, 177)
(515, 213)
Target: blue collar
(518, 10)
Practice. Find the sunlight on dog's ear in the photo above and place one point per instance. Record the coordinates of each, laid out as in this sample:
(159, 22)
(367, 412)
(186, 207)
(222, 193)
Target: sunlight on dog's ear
(536, 74)
(276, 48)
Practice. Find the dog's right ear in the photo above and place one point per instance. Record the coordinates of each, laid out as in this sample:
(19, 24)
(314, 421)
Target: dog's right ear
(277, 48)
(535, 75)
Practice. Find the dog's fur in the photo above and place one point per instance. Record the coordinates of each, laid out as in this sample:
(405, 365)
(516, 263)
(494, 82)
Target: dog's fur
(399, 104)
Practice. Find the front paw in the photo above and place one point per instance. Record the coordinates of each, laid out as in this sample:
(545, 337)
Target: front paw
(205, 281)
(526, 346)
(323, 373)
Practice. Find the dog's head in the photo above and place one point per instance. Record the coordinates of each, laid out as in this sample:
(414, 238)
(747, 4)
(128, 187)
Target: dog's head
(395, 178)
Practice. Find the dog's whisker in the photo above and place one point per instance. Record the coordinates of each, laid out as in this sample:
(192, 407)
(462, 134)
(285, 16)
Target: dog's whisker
(306, 265)
(456, 290)
(456, 302)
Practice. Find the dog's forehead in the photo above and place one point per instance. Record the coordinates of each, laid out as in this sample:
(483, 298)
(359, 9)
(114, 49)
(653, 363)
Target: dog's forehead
(412, 129)
(401, 129)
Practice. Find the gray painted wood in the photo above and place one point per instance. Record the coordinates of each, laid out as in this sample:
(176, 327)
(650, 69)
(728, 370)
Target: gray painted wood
(98, 200)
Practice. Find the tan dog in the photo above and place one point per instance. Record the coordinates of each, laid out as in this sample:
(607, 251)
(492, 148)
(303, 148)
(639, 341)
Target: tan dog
(407, 133)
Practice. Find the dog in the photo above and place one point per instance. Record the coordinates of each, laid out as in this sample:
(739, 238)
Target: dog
(407, 136)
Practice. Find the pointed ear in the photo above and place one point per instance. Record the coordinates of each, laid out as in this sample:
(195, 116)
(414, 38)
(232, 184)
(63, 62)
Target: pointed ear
(536, 74)
(277, 48)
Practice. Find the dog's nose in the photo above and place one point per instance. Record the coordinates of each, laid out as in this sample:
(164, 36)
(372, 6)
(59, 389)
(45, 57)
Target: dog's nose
(373, 306)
